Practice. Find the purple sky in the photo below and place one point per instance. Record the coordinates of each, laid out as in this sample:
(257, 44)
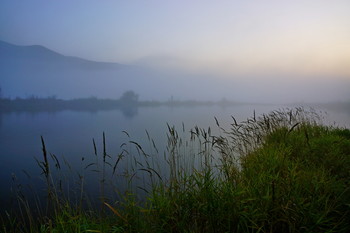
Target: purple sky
(231, 36)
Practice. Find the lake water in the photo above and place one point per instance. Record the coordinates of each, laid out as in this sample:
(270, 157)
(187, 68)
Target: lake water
(70, 133)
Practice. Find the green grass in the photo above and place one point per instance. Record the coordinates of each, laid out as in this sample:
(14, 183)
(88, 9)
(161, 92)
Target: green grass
(281, 172)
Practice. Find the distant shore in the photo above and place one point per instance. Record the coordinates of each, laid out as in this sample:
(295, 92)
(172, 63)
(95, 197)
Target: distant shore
(53, 104)
(35, 104)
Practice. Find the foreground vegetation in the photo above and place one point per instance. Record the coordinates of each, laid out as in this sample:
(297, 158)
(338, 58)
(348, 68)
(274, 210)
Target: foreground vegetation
(281, 172)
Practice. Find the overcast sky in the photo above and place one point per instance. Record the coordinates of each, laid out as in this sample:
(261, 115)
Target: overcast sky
(297, 36)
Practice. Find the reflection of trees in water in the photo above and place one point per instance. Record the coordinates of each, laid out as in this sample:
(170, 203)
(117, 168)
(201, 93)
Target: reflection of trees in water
(129, 111)
(128, 104)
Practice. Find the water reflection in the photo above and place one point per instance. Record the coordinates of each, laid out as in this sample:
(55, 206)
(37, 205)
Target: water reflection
(128, 111)
(69, 133)
(338, 107)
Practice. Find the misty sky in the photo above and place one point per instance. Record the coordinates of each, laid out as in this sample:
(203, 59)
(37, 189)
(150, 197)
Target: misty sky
(241, 36)
(299, 39)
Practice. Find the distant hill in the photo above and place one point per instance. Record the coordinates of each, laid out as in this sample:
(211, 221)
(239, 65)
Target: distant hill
(38, 53)
(36, 70)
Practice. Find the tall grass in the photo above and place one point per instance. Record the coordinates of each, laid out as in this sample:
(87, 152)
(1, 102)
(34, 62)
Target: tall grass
(278, 172)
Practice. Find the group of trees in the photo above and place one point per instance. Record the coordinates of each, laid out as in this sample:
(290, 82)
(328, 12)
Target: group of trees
(128, 97)
(128, 100)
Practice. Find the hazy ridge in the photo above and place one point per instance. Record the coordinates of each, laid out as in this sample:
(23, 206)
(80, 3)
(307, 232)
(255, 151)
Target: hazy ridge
(35, 70)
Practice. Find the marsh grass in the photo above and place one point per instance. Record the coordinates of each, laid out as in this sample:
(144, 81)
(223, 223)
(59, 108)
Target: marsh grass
(278, 172)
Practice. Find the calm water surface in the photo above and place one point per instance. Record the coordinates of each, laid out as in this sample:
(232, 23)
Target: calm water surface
(70, 133)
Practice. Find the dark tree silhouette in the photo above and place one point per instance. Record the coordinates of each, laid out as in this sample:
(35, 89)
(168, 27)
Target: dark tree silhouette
(129, 97)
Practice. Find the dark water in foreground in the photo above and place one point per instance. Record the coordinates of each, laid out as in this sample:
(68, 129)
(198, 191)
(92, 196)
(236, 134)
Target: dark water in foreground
(70, 133)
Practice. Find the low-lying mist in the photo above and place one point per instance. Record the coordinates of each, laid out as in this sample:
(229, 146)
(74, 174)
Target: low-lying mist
(35, 70)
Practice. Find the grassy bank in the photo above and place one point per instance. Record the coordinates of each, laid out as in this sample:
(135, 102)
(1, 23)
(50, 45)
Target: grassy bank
(280, 172)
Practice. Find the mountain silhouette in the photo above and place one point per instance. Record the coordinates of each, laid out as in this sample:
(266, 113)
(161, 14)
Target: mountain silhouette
(38, 53)
(36, 70)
